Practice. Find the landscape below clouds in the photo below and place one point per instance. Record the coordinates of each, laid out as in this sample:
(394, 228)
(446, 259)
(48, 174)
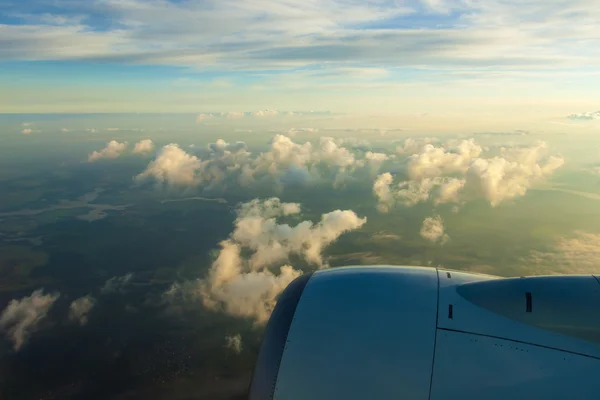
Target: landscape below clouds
(149, 250)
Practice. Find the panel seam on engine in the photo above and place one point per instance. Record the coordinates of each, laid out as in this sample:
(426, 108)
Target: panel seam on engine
(437, 311)
(520, 341)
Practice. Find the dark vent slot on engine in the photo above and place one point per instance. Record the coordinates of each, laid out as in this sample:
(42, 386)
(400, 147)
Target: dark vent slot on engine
(450, 311)
(528, 300)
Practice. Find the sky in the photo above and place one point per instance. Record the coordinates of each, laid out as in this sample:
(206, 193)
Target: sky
(467, 63)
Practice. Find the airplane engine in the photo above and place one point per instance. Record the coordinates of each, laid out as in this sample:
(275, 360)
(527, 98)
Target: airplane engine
(385, 332)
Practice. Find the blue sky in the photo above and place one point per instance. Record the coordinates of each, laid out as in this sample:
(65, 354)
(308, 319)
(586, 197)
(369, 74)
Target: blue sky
(378, 56)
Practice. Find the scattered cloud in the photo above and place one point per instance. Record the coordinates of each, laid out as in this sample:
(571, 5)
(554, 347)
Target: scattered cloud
(433, 230)
(173, 167)
(80, 308)
(21, 318)
(459, 173)
(117, 283)
(240, 281)
(112, 129)
(113, 149)
(64, 130)
(234, 115)
(234, 343)
(264, 113)
(577, 254)
(28, 131)
(91, 130)
(284, 163)
(586, 116)
(203, 117)
(143, 147)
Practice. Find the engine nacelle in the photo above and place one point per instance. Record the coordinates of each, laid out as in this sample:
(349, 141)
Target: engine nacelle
(387, 332)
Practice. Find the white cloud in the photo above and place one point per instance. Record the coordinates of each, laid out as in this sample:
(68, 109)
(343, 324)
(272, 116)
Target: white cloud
(240, 281)
(203, 117)
(577, 254)
(21, 318)
(80, 308)
(28, 131)
(284, 163)
(433, 230)
(415, 145)
(117, 283)
(472, 35)
(234, 115)
(234, 343)
(112, 150)
(460, 173)
(434, 161)
(26, 123)
(112, 129)
(64, 130)
(143, 147)
(91, 130)
(174, 167)
(586, 116)
(264, 113)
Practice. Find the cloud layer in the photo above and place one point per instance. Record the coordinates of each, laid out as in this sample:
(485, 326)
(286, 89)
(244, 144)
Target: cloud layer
(349, 35)
(575, 254)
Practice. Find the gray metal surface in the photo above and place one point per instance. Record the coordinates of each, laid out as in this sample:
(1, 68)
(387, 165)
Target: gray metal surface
(472, 367)
(565, 310)
(362, 333)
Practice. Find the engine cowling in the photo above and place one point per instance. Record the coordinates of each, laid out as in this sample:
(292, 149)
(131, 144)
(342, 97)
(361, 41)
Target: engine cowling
(386, 332)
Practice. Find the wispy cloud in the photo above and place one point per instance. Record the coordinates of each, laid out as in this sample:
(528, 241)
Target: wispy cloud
(244, 34)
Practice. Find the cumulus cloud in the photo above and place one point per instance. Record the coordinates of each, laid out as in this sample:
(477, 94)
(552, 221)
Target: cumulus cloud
(284, 163)
(143, 147)
(577, 254)
(234, 343)
(26, 131)
(21, 318)
(113, 149)
(586, 116)
(173, 167)
(241, 281)
(203, 117)
(80, 309)
(117, 283)
(327, 161)
(414, 145)
(434, 161)
(433, 230)
(459, 173)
